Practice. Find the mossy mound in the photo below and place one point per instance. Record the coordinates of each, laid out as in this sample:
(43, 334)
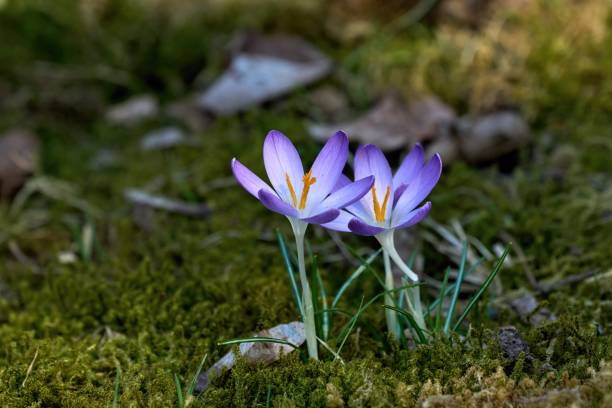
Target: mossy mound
(152, 302)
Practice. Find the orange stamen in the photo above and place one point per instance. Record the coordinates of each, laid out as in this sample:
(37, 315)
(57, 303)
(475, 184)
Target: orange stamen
(291, 190)
(308, 181)
(379, 213)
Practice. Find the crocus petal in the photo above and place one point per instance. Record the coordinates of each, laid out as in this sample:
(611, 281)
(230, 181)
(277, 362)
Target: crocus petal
(361, 228)
(359, 211)
(327, 167)
(248, 180)
(410, 167)
(356, 208)
(323, 217)
(422, 186)
(273, 203)
(413, 217)
(399, 190)
(349, 193)
(281, 159)
(340, 223)
(370, 161)
(343, 181)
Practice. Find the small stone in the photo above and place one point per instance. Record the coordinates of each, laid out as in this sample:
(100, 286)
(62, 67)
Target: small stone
(447, 147)
(66, 257)
(526, 305)
(512, 345)
(133, 110)
(165, 138)
(493, 135)
(19, 151)
(104, 159)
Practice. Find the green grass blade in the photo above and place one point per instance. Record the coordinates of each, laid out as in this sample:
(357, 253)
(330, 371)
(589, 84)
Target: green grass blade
(453, 304)
(363, 267)
(368, 266)
(315, 292)
(438, 323)
(346, 331)
(483, 287)
(289, 266)
(117, 385)
(257, 340)
(269, 396)
(179, 392)
(413, 324)
(331, 351)
(450, 288)
(336, 310)
(353, 321)
(325, 317)
(194, 380)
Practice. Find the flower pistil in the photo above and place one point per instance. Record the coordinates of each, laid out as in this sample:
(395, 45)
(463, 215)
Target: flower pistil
(308, 181)
(379, 212)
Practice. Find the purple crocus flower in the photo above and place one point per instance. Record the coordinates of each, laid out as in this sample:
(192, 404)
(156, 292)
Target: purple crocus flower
(298, 195)
(304, 198)
(391, 204)
(393, 199)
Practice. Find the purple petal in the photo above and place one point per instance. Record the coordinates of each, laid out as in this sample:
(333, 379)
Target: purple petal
(410, 167)
(349, 193)
(361, 228)
(413, 217)
(370, 161)
(420, 188)
(273, 203)
(340, 223)
(399, 190)
(342, 182)
(359, 211)
(323, 217)
(356, 208)
(327, 167)
(281, 159)
(248, 180)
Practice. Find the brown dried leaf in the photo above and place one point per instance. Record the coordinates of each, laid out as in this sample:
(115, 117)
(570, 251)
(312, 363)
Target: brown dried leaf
(391, 125)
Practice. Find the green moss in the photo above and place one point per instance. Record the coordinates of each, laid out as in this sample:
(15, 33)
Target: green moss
(153, 303)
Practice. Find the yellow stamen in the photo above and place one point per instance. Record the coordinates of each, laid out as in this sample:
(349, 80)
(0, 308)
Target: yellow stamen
(308, 181)
(291, 190)
(379, 213)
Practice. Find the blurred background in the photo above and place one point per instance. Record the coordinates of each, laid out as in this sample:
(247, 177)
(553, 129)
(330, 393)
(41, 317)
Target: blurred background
(125, 242)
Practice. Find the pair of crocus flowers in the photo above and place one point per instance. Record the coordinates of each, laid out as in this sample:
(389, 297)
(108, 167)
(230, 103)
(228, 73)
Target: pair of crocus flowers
(375, 204)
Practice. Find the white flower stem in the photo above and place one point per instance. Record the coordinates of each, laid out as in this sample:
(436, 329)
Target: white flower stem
(413, 295)
(299, 230)
(391, 315)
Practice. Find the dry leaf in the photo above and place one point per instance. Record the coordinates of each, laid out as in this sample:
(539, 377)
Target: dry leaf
(255, 353)
(263, 68)
(392, 125)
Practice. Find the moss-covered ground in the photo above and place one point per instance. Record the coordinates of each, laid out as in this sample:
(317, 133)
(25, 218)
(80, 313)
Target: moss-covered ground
(153, 303)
